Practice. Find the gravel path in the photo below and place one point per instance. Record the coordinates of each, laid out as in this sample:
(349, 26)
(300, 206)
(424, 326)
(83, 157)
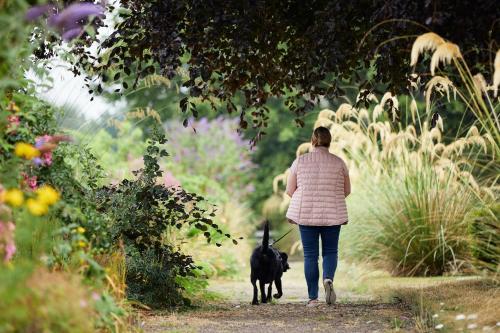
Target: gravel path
(354, 312)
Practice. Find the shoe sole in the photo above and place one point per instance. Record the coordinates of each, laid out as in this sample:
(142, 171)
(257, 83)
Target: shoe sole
(329, 292)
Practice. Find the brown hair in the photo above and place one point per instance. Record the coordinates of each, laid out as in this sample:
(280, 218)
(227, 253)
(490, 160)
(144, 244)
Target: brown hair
(321, 137)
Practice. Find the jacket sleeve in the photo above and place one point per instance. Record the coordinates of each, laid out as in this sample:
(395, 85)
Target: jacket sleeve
(347, 180)
(291, 183)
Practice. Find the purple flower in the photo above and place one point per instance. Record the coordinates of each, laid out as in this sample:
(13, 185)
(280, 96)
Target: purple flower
(70, 21)
(36, 11)
(72, 33)
(71, 17)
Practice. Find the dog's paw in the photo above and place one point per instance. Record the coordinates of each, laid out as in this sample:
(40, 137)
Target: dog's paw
(277, 295)
(255, 303)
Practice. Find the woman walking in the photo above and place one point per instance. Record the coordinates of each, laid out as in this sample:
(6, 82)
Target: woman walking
(318, 184)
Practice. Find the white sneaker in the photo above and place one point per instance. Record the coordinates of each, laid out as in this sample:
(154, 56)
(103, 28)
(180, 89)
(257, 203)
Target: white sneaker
(329, 292)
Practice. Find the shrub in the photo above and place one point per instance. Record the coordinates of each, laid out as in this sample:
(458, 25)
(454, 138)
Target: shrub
(146, 215)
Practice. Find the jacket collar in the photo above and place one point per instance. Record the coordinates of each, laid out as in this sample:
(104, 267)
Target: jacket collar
(320, 149)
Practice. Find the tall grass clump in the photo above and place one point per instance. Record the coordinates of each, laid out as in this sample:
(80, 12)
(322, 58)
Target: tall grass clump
(411, 189)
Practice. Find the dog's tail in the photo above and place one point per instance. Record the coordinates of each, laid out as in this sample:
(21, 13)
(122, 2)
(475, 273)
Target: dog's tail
(265, 239)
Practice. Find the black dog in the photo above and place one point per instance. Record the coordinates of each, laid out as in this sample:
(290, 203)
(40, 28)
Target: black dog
(268, 265)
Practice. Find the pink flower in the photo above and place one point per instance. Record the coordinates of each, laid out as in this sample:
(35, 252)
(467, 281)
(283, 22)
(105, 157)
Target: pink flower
(41, 140)
(46, 158)
(30, 181)
(13, 124)
(96, 296)
(7, 245)
(10, 250)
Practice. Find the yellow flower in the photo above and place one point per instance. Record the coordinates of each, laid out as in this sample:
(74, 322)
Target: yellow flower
(80, 230)
(47, 195)
(36, 207)
(26, 151)
(13, 107)
(13, 197)
(81, 244)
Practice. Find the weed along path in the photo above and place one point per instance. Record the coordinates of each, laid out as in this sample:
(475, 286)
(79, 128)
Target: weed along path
(355, 311)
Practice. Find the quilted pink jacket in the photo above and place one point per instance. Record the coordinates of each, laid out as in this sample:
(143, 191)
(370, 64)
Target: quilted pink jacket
(318, 184)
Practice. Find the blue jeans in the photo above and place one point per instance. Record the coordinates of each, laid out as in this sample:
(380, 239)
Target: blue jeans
(310, 242)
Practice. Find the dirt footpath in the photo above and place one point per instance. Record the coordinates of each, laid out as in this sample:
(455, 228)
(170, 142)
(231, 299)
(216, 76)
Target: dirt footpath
(354, 312)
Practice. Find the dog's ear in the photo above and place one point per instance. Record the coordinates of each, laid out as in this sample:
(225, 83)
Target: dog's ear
(284, 256)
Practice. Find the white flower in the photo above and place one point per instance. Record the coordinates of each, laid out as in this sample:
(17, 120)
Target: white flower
(439, 326)
(435, 315)
(460, 317)
(472, 316)
(471, 326)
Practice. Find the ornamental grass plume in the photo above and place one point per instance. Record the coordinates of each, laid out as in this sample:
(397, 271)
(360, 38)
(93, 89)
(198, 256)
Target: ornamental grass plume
(444, 53)
(424, 187)
(426, 42)
(471, 91)
(441, 85)
(496, 74)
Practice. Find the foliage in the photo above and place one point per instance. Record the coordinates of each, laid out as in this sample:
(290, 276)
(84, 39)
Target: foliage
(306, 47)
(116, 152)
(485, 237)
(144, 213)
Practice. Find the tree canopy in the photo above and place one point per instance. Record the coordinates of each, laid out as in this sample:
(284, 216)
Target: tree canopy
(251, 50)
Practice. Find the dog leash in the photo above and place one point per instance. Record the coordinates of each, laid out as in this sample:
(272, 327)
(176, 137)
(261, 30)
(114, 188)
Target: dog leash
(289, 231)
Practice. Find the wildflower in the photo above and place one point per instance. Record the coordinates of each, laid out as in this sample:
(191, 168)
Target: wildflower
(472, 326)
(12, 107)
(36, 207)
(460, 317)
(36, 11)
(472, 316)
(10, 250)
(13, 124)
(47, 195)
(96, 296)
(26, 151)
(44, 160)
(81, 244)
(7, 245)
(13, 197)
(30, 181)
(70, 21)
(80, 230)
(439, 326)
